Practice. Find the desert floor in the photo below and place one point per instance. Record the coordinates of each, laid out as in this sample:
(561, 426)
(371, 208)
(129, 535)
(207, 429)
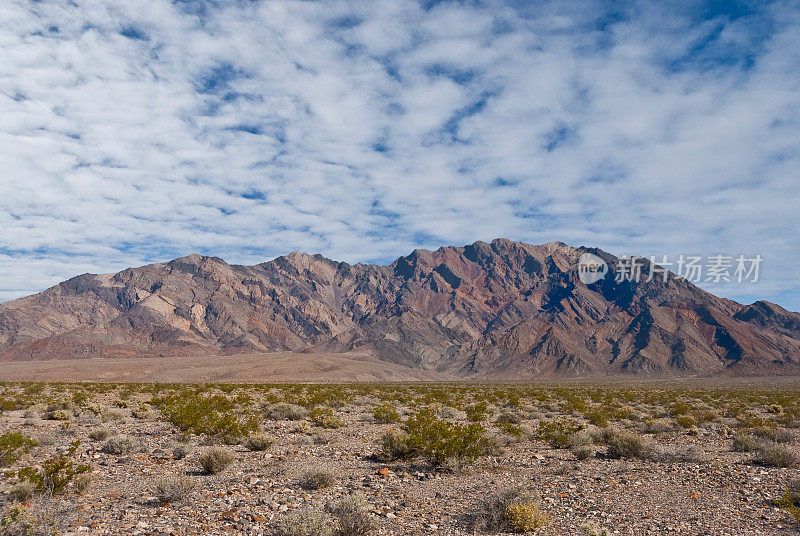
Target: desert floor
(650, 459)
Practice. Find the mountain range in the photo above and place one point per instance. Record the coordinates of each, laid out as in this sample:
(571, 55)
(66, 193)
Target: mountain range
(486, 309)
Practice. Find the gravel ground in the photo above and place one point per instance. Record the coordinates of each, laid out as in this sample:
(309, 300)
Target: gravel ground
(724, 495)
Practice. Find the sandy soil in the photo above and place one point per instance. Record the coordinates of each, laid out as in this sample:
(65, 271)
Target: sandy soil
(247, 368)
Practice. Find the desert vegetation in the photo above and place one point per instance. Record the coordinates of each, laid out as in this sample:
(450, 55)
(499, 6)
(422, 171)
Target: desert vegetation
(359, 459)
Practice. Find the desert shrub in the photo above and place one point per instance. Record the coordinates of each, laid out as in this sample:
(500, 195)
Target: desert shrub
(98, 434)
(325, 418)
(306, 523)
(214, 460)
(557, 432)
(511, 510)
(744, 442)
(23, 491)
(181, 450)
(173, 489)
(583, 452)
(318, 437)
(259, 442)
(351, 517)
(591, 529)
(526, 517)
(624, 444)
(57, 414)
(317, 478)
(685, 421)
(580, 438)
(394, 446)
(655, 426)
(776, 455)
(512, 429)
(144, 412)
(12, 446)
(303, 427)
(284, 412)
(597, 417)
(783, 436)
(678, 454)
(113, 415)
(790, 501)
(213, 415)
(437, 441)
(385, 413)
(54, 474)
(122, 445)
(81, 483)
(478, 412)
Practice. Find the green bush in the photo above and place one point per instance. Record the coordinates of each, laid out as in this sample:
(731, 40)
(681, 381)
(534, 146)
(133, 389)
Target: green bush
(213, 415)
(12, 446)
(385, 413)
(394, 446)
(790, 501)
(558, 432)
(478, 412)
(438, 441)
(325, 418)
(55, 473)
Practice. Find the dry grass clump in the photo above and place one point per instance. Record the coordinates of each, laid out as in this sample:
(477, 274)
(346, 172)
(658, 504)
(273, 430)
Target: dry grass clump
(259, 442)
(305, 523)
(98, 434)
(776, 455)
(284, 412)
(351, 517)
(625, 444)
(180, 448)
(40, 517)
(173, 489)
(744, 442)
(511, 510)
(214, 460)
(583, 452)
(121, 445)
(317, 478)
(325, 418)
(678, 454)
(23, 491)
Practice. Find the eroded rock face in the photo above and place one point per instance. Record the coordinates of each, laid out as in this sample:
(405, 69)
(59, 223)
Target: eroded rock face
(504, 308)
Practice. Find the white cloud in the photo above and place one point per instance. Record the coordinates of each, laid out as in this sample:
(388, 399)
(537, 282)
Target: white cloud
(134, 132)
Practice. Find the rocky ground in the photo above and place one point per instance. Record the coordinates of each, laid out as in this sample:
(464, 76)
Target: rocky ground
(717, 492)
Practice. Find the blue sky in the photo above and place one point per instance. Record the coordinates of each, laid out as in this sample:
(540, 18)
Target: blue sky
(135, 132)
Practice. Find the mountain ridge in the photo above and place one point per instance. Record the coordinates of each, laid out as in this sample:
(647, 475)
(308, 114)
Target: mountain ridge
(499, 308)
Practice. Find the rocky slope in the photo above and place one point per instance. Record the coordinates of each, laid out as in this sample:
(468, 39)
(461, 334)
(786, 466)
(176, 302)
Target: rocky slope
(504, 308)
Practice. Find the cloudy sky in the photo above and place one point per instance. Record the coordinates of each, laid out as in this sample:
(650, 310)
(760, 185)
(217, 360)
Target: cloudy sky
(140, 131)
